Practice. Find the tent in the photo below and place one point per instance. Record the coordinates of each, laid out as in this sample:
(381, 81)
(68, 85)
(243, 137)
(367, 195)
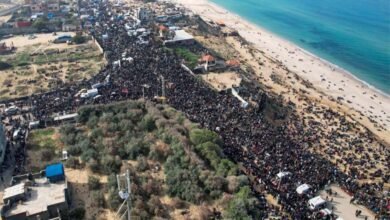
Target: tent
(303, 189)
(316, 202)
(55, 172)
(283, 174)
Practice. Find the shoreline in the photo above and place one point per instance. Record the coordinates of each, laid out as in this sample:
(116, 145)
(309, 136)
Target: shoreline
(366, 99)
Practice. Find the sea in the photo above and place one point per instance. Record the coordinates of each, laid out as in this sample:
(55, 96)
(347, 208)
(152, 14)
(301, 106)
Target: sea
(352, 34)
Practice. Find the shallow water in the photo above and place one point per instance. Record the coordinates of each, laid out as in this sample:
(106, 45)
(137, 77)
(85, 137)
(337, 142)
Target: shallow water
(353, 34)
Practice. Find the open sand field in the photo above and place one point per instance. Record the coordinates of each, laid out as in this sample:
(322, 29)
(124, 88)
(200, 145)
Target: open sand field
(222, 81)
(364, 104)
(343, 208)
(39, 65)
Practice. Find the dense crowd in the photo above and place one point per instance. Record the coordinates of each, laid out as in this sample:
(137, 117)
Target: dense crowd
(264, 149)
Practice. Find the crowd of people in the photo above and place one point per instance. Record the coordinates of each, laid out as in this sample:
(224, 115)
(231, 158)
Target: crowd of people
(249, 137)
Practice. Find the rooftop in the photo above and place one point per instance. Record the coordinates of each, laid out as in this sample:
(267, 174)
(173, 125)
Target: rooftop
(181, 35)
(40, 196)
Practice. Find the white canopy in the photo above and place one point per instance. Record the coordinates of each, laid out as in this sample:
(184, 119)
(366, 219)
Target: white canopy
(315, 202)
(303, 188)
(280, 175)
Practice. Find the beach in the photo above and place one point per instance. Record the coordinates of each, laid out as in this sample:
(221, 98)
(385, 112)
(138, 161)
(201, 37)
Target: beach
(361, 101)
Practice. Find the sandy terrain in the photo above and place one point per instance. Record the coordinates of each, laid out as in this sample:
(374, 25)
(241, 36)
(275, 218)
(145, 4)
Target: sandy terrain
(326, 78)
(22, 41)
(46, 69)
(343, 208)
(222, 81)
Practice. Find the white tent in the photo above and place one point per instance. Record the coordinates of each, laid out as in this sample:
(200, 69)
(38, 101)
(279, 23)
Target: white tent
(302, 188)
(283, 174)
(316, 202)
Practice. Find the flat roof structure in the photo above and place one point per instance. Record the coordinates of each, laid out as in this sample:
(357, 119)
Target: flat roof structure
(39, 197)
(13, 191)
(180, 36)
(65, 117)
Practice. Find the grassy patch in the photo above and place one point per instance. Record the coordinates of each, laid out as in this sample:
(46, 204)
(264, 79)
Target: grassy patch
(188, 56)
(42, 138)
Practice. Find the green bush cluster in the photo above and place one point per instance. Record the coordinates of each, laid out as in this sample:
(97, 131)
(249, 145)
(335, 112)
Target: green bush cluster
(206, 144)
(196, 170)
(110, 134)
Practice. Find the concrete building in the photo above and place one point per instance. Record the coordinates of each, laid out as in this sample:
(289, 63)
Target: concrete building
(180, 37)
(37, 197)
(51, 6)
(3, 143)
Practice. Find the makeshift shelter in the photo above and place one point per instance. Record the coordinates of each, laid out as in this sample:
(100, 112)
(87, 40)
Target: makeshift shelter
(302, 189)
(55, 172)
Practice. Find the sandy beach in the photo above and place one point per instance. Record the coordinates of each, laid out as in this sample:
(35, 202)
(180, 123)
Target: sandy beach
(372, 107)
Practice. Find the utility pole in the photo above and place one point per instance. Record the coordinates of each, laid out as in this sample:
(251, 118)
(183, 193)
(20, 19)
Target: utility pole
(143, 90)
(125, 194)
(162, 85)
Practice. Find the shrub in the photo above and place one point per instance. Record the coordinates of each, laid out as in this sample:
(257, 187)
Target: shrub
(243, 206)
(200, 136)
(74, 150)
(79, 39)
(98, 198)
(93, 183)
(156, 208)
(236, 182)
(111, 164)
(185, 185)
(137, 147)
(111, 181)
(93, 165)
(226, 168)
(47, 154)
(114, 201)
(148, 123)
(142, 164)
(77, 213)
(72, 162)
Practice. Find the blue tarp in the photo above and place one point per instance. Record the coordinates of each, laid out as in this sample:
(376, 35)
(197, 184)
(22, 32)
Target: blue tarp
(55, 172)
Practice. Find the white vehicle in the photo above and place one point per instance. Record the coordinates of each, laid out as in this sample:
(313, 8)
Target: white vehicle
(97, 85)
(16, 133)
(33, 124)
(80, 92)
(302, 189)
(316, 203)
(11, 110)
(89, 94)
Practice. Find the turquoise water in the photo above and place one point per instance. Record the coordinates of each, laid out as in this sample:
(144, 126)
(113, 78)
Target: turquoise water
(353, 34)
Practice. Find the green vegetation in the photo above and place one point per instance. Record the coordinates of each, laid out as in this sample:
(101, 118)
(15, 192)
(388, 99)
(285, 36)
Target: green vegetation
(166, 155)
(188, 56)
(42, 139)
(79, 39)
(41, 23)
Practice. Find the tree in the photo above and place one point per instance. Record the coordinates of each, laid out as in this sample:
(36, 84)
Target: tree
(148, 123)
(142, 164)
(200, 136)
(77, 213)
(98, 198)
(93, 183)
(79, 39)
(243, 206)
(40, 24)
